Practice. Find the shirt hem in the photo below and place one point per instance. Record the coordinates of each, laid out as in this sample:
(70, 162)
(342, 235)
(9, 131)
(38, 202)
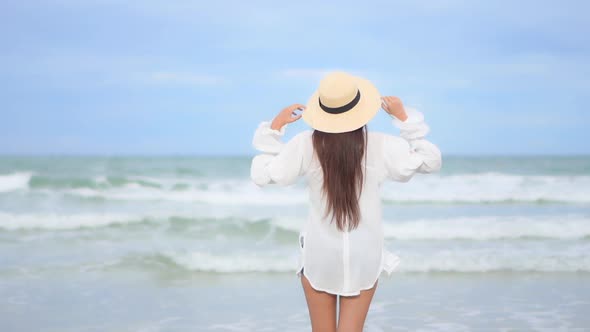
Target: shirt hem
(389, 262)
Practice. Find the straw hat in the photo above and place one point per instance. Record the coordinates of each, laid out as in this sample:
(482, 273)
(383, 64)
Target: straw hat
(342, 103)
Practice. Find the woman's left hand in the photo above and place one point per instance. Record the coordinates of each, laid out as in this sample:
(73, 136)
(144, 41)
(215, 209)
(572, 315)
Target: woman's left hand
(287, 115)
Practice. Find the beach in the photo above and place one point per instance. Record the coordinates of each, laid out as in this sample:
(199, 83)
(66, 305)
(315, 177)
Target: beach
(176, 301)
(191, 244)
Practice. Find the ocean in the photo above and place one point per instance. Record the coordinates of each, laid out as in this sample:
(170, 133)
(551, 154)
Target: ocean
(191, 244)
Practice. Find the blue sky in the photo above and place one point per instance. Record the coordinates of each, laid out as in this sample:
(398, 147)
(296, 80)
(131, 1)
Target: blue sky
(194, 77)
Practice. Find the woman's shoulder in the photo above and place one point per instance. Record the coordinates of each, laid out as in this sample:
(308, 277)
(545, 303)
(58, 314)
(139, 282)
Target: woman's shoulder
(375, 137)
(384, 138)
(302, 141)
(382, 142)
(302, 137)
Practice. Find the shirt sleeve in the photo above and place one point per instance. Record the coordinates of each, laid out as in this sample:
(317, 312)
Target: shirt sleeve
(410, 153)
(279, 162)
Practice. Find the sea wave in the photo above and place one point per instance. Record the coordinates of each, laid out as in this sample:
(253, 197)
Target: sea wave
(507, 258)
(15, 181)
(499, 259)
(245, 195)
(234, 263)
(490, 228)
(485, 188)
(99, 182)
(54, 221)
(460, 259)
(221, 223)
(480, 228)
(491, 187)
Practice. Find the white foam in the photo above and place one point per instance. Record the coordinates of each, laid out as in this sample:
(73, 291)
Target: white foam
(289, 224)
(238, 262)
(489, 187)
(478, 228)
(51, 221)
(433, 188)
(55, 221)
(245, 193)
(539, 258)
(15, 181)
(511, 258)
(489, 228)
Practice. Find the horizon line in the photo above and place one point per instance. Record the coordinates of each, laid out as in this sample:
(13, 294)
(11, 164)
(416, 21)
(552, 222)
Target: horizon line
(238, 155)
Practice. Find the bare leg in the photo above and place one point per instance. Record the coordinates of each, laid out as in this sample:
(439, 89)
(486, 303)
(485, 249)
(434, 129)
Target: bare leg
(322, 308)
(354, 309)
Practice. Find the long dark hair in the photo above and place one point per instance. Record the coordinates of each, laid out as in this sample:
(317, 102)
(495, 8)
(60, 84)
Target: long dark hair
(340, 155)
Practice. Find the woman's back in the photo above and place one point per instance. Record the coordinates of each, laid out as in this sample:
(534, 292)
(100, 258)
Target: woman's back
(344, 262)
(335, 261)
(341, 243)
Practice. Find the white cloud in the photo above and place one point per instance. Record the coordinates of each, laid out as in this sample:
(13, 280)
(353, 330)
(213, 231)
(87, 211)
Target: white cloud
(304, 73)
(314, 73)
(187, 78)
(74, 68)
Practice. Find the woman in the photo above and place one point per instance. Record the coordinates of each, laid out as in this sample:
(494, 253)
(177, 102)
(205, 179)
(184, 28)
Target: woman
(341, 244)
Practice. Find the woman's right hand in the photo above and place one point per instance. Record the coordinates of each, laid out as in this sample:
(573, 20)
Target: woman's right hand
(393, 106)
(287, 115)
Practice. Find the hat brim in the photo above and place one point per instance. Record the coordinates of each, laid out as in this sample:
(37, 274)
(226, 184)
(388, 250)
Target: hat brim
(358, 116)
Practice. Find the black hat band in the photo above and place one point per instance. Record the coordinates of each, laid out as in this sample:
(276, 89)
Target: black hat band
(341, 109)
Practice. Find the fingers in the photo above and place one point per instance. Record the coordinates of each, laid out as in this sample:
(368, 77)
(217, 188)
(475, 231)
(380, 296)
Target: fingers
(294, 107)
(291, 111)
(392, 100)
(295, 115)
(294, 111)
(294, 118)
(389, 103)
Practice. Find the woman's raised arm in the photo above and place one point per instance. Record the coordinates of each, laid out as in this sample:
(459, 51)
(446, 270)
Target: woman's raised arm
(410, 152)
(278, 162)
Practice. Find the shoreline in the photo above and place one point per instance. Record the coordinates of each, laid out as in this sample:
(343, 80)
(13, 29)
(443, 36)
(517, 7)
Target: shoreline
(126, 300)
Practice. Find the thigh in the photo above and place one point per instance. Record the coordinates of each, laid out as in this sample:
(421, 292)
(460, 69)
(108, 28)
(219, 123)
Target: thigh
(322, 308)
(354, 309)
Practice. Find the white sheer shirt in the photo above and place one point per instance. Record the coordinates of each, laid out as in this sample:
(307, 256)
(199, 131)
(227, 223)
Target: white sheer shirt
(334, 261)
